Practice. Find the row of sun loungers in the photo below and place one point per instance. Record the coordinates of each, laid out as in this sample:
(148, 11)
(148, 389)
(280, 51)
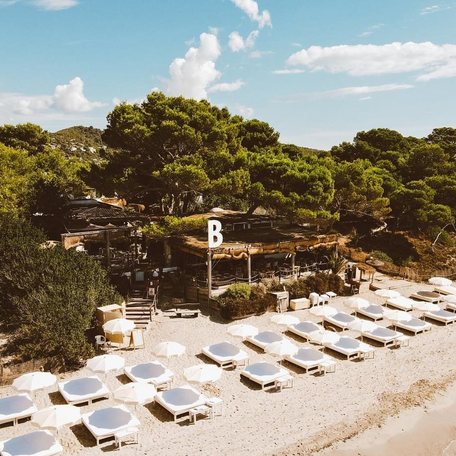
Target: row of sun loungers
(185, 402)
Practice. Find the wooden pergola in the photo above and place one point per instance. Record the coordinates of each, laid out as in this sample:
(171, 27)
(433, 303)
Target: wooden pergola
(242, 245)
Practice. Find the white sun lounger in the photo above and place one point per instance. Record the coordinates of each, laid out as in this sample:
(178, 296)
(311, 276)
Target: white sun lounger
(426, 296)
(448, 290)
(225, 354)
(266, 375)
(107, 422)
(153, 372)
(37, 443)
(304, 328)
(311, 359)
(442, 316)
(373, 312)
(14, 408)
(386, 336)
(264, 338)
(341, 319)
(451, 306)
(401, 303)
(81, 390)
(414, 325)
(179, 401)
(351, 348)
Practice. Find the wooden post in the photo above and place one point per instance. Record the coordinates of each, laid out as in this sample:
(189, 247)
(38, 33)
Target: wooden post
(249, 267)
(209, 274)
(108, 248)
(293, 263)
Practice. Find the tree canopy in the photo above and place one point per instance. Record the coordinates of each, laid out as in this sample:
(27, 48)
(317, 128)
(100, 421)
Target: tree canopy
(41, 288)
(181, 156)
(184, 155)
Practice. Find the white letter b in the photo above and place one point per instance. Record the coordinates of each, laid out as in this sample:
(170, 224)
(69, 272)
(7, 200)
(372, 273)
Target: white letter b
(215, 236)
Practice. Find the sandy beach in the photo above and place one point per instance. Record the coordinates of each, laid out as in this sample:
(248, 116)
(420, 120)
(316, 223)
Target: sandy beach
(426, 430)
(314, 417)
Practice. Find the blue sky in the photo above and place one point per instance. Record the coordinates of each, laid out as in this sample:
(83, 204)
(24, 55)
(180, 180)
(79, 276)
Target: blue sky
(318, 71)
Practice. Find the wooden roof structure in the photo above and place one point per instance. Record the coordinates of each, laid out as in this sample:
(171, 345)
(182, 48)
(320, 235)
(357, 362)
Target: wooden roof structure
(259, 241)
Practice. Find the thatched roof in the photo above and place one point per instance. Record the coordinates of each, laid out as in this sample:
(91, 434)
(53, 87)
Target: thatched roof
(238, 244)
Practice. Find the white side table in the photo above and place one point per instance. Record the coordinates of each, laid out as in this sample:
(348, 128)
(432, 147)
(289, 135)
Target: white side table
(327, 366)
(216, 405)
(403, 341)
(126, 435)
(204, 410)
(286, 381)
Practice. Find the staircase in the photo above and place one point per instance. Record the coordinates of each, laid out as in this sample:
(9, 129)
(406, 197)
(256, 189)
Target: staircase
(138, 309)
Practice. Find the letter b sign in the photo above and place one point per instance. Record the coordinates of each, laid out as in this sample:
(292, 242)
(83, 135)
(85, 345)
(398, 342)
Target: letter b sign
(214, 232)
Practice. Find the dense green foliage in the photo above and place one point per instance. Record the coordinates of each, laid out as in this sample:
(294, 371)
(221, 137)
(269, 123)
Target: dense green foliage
(182, 156)
(33, 176)
(238, 290)
(414, 180)
(171, 225)
(42, 288)
(319, 282)
(29, 137)
(242, 300)
(170, 151)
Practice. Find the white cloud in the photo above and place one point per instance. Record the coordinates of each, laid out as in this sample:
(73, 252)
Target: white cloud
(360, 91)
(370, 30)
(70, 97)
(49, 5)
(365, 98)
(363, 90)
(245, 111)
(25, 105)
(369, 59)
(237, 43)
(192, 75)
(251, 8)
(67, 99)
(435, 9)
(258, 54)
(7, 2)
(195, 75)
(56, 5)
(226, 86)
(289, 71)
(442, 72)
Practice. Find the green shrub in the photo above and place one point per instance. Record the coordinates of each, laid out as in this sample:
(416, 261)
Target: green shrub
(298, 288)
(444, 239)
(319, 282)
(382, 256)
(235, 307)
(171, 225)
(336, 262)
(49, 295)
(274, 285)
(238, 291)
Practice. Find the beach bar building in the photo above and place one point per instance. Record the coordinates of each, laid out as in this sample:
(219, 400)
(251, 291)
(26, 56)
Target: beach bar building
(255, 247)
